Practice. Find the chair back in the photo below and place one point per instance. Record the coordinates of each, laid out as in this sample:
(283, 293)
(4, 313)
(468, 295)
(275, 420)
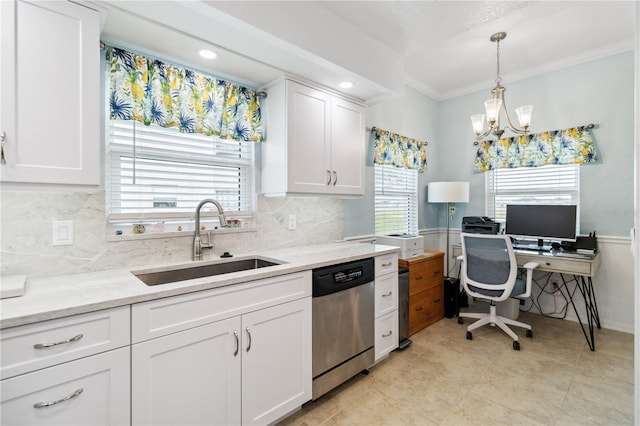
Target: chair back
(489, 267)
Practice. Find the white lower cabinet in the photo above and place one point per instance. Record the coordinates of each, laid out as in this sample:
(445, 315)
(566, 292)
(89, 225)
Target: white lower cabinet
(250, 369)
(386, 305)
(88, 391)
(191, 377)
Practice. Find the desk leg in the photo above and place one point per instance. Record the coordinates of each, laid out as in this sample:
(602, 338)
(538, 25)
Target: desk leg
(586, 289)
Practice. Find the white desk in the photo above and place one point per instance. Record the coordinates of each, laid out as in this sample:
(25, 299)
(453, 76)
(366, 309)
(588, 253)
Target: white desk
(571, 267)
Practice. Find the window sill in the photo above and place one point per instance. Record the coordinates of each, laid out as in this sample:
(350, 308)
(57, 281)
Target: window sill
(174, 234)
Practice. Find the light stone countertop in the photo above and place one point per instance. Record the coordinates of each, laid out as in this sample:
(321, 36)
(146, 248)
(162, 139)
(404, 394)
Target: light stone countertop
(56, 297)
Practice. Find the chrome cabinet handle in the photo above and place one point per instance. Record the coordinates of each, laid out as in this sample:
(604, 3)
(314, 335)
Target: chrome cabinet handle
(387, 334)
(235, 334)
(249, 345)
(328, 177)
(3, 136)
(387, 294)
(335, 178)
(64, 342)
(386, 264)
(66, 398)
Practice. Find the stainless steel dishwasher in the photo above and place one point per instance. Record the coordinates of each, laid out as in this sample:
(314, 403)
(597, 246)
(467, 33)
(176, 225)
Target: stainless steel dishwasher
(342, 323)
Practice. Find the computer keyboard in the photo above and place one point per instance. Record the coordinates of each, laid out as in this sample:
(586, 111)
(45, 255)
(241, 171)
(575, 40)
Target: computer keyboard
(531, 247)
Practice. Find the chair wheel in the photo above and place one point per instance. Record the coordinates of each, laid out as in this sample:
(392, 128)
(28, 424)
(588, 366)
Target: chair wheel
(516, 345)
(460, 320)
(469, 335)
(529, 333)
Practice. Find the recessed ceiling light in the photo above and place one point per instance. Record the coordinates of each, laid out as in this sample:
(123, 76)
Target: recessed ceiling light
(346, 84)
(208, 54)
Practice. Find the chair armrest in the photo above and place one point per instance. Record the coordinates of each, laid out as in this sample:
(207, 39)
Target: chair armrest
(529, 266)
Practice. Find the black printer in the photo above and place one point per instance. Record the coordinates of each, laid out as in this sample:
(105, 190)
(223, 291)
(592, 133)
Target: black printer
(480, 225)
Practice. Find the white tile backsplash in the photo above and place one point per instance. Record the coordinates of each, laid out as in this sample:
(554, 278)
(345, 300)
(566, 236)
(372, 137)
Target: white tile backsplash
(26, 238)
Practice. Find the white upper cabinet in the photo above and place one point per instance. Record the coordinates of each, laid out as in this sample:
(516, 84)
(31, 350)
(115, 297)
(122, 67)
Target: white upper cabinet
(315, 142)
(50, 92)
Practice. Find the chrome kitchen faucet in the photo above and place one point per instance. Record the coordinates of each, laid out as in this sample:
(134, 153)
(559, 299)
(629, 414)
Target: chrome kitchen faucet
(198, 245)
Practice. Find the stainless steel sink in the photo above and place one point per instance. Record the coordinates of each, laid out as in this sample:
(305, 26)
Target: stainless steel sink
(199, 271)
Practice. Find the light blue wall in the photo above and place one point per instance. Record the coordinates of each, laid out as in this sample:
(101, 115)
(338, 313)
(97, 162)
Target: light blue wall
(599, 92)
(413, 115)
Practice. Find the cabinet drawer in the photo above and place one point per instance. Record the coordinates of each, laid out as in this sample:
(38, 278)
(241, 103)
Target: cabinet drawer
(386, 263)
(386, 330)
(425, 275)
(164, 316)
(386, 294)
(425, 308)
(88, 391)
(551, 264)
(34, 346)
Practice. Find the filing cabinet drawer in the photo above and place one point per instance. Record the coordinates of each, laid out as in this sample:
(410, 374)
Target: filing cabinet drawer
(425, 275)
(425, 308)
(35, 346)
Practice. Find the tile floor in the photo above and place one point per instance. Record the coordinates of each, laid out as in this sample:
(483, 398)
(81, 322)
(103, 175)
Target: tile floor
(444, 379)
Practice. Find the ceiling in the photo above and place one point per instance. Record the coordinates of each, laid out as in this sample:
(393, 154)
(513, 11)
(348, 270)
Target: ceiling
(440, 48)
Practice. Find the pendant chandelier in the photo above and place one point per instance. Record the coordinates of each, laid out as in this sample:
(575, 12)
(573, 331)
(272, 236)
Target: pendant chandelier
(496, 105)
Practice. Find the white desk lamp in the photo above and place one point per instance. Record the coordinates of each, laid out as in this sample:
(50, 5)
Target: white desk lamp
(448, 192)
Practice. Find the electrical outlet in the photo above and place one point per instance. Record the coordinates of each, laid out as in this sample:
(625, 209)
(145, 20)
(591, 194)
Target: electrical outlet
(62, 232)
(452, 209)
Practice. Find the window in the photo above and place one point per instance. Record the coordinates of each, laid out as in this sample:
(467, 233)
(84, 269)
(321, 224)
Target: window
(159, 175)
(396, 200)
(555, 184)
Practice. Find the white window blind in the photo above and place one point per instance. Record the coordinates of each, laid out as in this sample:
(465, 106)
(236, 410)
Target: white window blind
(396, 200)
(554, 184)
(160, 174)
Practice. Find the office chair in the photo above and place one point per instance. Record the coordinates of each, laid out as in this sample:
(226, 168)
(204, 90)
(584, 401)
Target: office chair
(489, 271)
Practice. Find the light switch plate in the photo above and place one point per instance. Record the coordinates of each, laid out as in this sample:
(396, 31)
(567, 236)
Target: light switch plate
(62, 232)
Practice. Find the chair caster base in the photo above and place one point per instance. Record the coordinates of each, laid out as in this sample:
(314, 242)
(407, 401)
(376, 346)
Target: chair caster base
(529, 333)
(516, 345)
(469, 335)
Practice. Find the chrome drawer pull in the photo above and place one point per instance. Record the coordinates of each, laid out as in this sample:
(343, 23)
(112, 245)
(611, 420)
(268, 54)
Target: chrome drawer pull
(64, 342)
(387, 294)
(235, 334)
(249, 345)
(387, 264)
(335, 178)
(66, 398)
(328, 177)
(387, 334)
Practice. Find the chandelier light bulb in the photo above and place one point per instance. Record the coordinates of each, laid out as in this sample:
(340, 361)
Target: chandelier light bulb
(477, 121)
(492, 108)
(524, 115)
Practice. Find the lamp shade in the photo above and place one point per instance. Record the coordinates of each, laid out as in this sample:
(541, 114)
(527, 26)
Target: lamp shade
(448, 192)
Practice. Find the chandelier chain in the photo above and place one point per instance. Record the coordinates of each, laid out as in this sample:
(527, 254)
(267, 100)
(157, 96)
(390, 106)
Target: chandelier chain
(498, 79)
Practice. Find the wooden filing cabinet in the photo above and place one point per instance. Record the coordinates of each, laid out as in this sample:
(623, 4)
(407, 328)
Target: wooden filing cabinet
(426, 289)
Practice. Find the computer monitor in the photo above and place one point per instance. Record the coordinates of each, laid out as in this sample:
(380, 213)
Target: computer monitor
(552, 223)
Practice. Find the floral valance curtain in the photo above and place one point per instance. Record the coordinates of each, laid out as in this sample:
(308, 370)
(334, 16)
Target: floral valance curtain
(569, 146)
(147, 90)
(400, 151)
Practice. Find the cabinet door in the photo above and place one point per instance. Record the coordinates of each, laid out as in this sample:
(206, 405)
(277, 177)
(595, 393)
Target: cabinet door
(89, 391)
(347, 147)
(308, 139)
(50, 85)
(276, 361)
(188, 378)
